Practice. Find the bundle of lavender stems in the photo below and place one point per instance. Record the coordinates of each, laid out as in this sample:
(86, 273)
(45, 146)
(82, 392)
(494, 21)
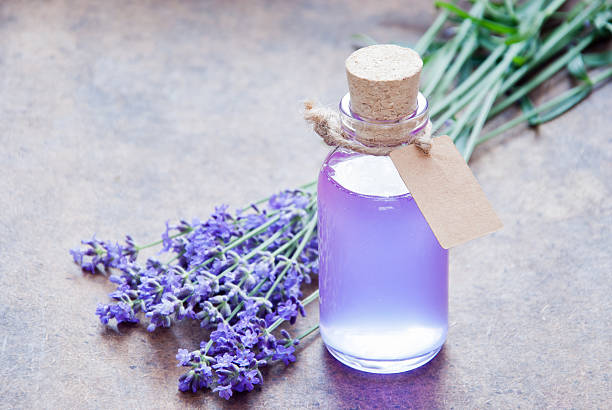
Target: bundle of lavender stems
(238, 275)
(241, 275)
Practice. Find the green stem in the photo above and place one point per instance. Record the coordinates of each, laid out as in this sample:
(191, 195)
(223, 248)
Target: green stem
(259, 248)
(541, 77)
(308, 332)
(559, 38)
(446, 54)
(467, 49)
(479, 90)
(469, 110)
(152, 244)
(482, 117)
(425, 41)
(298, 251)
(546, 106)
(236, 242)
(264, 280)
(469, 82)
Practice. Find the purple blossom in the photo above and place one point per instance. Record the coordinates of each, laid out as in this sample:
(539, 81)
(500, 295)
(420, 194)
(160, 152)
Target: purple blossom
(288, 199)
(249, 338)
(104, 254)
(284, 353)
(166, 240)
(288, 310)
(224, 391)
(212, 274)
(184, 357)
(160, 314)
(245, 358)
(121, 312)
(252, 221)
(198, 378)
(247, 379)
(224, 361)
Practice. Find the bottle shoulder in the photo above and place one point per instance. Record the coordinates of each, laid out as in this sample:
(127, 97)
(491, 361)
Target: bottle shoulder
(363, 174)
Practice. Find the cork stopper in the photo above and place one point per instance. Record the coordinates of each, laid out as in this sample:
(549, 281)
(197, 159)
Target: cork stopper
(383, 81)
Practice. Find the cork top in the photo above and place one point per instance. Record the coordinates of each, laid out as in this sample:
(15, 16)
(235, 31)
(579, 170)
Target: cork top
(384, 81)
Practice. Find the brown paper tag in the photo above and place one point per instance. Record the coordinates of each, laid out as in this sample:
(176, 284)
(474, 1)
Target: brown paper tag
(446, 192)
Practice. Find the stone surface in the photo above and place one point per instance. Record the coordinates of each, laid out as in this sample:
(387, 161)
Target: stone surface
(116, 116)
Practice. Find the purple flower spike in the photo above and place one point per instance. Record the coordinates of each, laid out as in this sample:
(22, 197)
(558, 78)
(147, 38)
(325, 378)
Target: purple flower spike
(184, 357)
(224, 391)
(227, 273)
(284, 353)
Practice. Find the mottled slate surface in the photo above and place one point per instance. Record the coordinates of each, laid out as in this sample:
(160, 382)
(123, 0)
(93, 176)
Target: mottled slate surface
(118, 115)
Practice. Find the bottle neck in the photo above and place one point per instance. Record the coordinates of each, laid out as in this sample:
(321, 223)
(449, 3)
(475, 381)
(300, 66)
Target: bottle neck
(380, 136)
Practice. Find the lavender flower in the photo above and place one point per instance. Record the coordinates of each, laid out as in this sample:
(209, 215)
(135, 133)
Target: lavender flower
(121, 312)
(225, 391)
(104, 253)
(284, 353)
(183, 356)
(238, 275)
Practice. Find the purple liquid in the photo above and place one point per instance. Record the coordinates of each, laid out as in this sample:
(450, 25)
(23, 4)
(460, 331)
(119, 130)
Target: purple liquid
(383, 277)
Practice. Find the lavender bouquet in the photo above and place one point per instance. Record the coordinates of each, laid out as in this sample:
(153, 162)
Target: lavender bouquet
(238, 275)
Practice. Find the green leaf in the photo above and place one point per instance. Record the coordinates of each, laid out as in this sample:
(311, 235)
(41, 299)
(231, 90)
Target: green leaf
(426, 39)
(532, 18)
(498, 13)
(510, 7)
(488, 24)
(592, 60)
(472, 82)
(488, 42)
(532, 47)
(554, 107)
(557, 40)
(602, 21)
(527, 106)
(485, 107)
(565, 105)
(542, 76)
(467, 49)
(434, 73)
(467, 69)
(577, 68)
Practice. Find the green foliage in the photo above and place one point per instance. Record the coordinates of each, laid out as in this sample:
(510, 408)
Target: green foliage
(501, 52)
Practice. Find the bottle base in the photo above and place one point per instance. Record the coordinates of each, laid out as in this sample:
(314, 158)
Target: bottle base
(383, 366)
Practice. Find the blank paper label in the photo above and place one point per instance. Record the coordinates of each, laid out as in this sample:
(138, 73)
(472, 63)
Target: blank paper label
(446, 192)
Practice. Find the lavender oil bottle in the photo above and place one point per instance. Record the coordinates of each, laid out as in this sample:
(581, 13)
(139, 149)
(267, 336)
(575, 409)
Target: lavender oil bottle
(383, 276)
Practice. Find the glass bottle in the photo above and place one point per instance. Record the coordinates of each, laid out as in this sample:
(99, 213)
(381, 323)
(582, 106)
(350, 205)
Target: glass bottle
(383, 277)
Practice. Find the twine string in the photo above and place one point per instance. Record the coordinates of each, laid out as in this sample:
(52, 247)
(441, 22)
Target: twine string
(326, 122)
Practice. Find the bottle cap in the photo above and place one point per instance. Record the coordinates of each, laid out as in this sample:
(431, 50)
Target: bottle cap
(383, 81)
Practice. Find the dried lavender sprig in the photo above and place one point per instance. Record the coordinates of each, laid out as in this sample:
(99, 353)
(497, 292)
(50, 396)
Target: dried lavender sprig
(183, 289)
(238, 355)
(259, 285)
(307, 236)
(311, 227)
(128, 297)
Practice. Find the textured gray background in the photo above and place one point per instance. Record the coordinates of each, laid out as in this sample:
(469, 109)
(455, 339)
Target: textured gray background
(118, 115)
